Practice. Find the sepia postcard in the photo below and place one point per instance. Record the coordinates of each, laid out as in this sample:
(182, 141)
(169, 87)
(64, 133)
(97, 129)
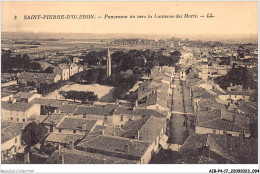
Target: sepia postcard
(129, 82)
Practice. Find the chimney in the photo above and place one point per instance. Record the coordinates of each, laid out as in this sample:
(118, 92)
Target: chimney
(62, 158)
(138, 135)
(248, 88)
(231, 84)
(103, 132)
(71, 145)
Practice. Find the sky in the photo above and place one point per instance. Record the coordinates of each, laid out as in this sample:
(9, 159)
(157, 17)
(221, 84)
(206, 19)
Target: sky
(239, 18)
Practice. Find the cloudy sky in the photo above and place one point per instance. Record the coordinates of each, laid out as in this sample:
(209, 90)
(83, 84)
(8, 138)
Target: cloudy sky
(230, 17)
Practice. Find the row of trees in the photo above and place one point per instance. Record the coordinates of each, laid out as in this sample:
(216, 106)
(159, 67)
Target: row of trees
(45, 88)
(83, 96)
(133, 58)
(21, 63)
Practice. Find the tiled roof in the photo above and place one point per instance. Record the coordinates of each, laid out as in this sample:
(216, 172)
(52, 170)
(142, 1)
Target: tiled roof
(5, 94)
(16, 106)
(159, 98)
(240, 148)
(67, 108)
(77, 123)
(54, 118)
(212, 103)
(123, 110)
(28, 75)
(118, 146)
(115, 131)
(40, 118)
(223, 120)
(89, 110)
(63, 138)
(49, 102)
(218, 92)
(11, 131)
(247, 108)
(151, 128)
(245, 93)
(79, 157)
(98, 130)
(196, 141)
(202, 93)
(229, 147)
(145, 112)
(23, 95)
(135, 124)
(5, 124)
(148, 127)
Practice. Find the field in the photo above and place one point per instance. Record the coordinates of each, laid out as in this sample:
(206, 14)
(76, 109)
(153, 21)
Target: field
(104, 93)
(53, 43)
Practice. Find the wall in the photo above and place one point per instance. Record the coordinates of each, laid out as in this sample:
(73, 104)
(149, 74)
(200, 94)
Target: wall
(203, 130)
(20, 115)
(9, 144)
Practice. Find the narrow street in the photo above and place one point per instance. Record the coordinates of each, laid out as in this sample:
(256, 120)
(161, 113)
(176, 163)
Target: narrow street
(178, 129)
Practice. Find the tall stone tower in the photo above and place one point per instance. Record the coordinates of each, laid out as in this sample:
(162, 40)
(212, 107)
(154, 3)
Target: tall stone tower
(108, 63)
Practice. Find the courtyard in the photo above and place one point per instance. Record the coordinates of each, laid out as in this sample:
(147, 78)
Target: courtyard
(104, 93)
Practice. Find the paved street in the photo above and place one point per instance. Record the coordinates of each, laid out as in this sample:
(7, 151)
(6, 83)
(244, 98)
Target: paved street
(178, 129)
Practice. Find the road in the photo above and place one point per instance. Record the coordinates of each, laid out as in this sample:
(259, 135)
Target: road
(179, 130)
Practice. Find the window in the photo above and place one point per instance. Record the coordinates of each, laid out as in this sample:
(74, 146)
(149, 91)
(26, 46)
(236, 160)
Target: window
(59, 130)
(105, 119)
(74, 131)
(11, 118)
(17, 119)
(122, 118)
(15, 140)
(23, 120)
(84, 115)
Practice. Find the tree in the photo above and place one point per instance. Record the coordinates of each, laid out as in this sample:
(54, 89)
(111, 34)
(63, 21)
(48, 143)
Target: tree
(237, 76)
(33, 133)
(79, 95)
(48, 70)
(25, 62)
(35, 66)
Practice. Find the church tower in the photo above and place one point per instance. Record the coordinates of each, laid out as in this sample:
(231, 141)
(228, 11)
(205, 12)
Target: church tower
(108, 63)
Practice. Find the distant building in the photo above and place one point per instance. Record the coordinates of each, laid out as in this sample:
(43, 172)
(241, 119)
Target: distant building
(75, 59)
(29, 77)
(73, 69)
(63, 70)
